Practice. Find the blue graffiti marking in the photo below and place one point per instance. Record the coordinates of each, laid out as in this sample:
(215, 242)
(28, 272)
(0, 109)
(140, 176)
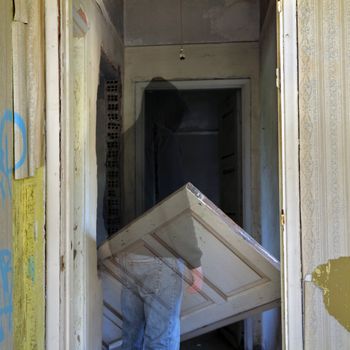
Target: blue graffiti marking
(6, 169)
(20, 123)
(6, 306)
(31, 268)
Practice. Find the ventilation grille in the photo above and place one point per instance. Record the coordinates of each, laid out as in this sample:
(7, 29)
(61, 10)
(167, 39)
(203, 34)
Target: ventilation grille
(113, 171)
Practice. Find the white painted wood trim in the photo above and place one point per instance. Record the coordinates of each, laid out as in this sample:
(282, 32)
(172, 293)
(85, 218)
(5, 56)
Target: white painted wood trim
(245, 86)
(53, 223)
(81, 267)
(67, 177)
(291, 238)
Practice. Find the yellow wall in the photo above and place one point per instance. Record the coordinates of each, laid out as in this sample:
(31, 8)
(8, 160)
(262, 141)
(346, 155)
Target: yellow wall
(28, 255)
(6, 157)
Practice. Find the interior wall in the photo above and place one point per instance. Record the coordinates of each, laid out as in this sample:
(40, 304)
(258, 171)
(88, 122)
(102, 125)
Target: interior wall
(270, 227)
(29, 262)
(324, 104)
(210, 61)
(6, 252)
(204, 21)
(115, 9)
(28, 193)
(101, 35)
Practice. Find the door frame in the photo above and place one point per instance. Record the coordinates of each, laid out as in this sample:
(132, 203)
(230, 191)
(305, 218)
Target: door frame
(244, 85)
(64, 305)
(53, 176)
(291, 260)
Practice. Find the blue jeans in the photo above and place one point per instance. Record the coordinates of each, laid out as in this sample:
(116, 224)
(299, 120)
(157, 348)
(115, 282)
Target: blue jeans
(151, 302)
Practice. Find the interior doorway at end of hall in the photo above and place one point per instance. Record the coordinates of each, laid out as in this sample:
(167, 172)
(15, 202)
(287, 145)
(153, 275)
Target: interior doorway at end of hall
(195, 135)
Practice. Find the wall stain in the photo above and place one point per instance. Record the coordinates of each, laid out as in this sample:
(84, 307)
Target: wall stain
(333, 278)
(31, 268)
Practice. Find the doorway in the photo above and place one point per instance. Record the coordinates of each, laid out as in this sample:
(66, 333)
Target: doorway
(196, 135)
(212, 111)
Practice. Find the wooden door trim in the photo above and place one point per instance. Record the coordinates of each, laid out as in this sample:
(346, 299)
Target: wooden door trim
(292, 313)
(53, 183)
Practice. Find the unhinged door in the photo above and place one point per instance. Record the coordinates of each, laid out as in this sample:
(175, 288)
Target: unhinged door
(239, 277)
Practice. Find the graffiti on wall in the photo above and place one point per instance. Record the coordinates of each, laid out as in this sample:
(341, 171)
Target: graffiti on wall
(6, 306)
(9, 122)
(6, 168)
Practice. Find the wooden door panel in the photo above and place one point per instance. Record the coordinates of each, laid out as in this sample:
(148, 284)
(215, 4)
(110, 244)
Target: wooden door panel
(239, 276)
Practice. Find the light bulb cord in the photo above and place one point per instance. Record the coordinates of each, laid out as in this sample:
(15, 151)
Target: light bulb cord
(181, 24)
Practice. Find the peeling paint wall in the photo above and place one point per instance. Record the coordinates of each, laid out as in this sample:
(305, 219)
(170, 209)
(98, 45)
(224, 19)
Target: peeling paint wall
(28, 193)
(333, 279)
(102, 35)
(29, 253)
(204, 21)
(28, 85)
(6, 170)
(22, 282)
(324, 99)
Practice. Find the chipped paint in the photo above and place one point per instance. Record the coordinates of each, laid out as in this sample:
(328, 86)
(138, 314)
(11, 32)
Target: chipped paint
(333, 278)
(28, 255)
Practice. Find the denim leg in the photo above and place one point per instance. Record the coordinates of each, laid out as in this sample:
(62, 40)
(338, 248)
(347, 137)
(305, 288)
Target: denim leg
(133, 320)
(162, 310)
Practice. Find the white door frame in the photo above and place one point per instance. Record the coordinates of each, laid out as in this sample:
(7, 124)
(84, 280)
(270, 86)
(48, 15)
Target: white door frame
(60, 177)
(242, 84)
(53, 174)
(289, 175)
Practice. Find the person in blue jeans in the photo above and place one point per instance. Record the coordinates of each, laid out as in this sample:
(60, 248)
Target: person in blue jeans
(151, 301)
(153, 287)
(151, 306)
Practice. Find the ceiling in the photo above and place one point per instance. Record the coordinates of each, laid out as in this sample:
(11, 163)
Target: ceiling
(158, 22)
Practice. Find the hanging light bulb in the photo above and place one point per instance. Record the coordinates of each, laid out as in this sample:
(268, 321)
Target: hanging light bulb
(182, 55)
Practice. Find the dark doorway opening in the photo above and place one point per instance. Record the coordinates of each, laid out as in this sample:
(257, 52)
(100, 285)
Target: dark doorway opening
(196, 136)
